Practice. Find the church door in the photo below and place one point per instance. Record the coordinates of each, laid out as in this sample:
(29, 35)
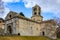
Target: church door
(9, 29)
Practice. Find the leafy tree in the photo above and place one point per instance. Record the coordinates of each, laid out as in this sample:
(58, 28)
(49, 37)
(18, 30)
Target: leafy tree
(57, 20)
(21, 13)
(58, 32)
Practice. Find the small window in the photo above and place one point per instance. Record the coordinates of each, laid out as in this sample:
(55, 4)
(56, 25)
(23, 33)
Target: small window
(0, 21)
(10, 16)
(18, 33)
(43, 33)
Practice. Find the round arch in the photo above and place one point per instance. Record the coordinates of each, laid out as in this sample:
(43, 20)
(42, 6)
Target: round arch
(9, 29)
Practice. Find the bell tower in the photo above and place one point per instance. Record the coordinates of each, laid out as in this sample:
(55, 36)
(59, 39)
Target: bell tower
(36, 14)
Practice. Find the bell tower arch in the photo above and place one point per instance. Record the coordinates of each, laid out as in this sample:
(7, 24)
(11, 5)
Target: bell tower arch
(36, 10)
(36, 14)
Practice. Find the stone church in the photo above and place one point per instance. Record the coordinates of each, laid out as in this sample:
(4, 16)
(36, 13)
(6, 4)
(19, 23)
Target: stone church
(17, 24)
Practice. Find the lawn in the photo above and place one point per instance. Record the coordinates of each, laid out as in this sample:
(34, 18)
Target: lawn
(58, 39)
(24, 38)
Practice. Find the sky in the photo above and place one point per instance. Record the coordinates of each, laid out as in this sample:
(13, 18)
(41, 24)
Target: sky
(49, 8)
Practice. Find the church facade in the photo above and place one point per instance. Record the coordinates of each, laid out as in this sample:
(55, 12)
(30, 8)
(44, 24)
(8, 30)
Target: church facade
(20, 25)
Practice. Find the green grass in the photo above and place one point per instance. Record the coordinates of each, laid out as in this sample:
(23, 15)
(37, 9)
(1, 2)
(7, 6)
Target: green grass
(58, 38)
(24, 38)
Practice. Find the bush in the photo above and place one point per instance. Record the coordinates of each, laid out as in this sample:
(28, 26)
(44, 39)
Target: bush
(58, 33)
(21, 13)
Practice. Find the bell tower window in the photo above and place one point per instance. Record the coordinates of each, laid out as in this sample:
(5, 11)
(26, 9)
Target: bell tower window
(35, 13)
(35, 9)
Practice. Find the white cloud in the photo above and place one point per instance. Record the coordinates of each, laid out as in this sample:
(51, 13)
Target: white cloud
(10, 0)
(6, 10)
(5, 13)
(46, 5)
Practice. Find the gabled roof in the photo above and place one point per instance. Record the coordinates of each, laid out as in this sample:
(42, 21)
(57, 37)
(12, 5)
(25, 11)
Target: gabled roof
(13, 14)
(36, 5)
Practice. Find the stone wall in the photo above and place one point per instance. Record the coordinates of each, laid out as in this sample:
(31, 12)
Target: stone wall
(28, 28)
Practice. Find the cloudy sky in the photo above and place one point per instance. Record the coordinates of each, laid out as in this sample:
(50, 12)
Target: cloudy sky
(49, 8)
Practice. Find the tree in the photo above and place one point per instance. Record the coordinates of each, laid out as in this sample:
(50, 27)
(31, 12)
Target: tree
(58, 32)
(57, 20)
(21, 13)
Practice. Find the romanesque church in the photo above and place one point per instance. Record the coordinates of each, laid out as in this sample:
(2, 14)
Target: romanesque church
(17, 24)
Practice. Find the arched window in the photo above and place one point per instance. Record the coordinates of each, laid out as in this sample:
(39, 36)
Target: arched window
(35, 13)
(35, 9)
(18, 33)
(10, 16)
